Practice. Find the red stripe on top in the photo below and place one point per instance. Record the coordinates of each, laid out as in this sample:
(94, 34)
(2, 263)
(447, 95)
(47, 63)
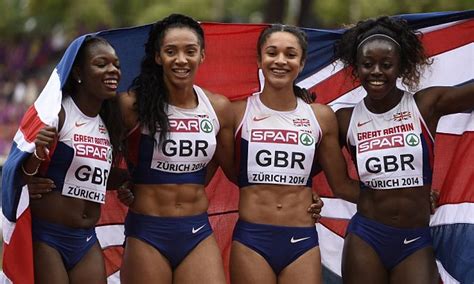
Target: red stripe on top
(31, 124)
(435, 42)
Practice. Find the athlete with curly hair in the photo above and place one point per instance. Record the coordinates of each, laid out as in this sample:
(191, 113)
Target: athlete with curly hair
(390, 136)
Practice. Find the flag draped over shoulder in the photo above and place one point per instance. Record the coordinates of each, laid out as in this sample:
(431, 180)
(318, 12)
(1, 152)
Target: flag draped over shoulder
(230, 69)
(17, 250)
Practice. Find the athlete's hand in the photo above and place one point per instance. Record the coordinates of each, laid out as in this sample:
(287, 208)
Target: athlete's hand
(125, 194)
(44, 140)
(37, 186)
(434, 197)
(315, 207)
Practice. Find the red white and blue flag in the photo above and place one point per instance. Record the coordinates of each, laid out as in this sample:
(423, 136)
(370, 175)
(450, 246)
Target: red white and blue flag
(230, 69)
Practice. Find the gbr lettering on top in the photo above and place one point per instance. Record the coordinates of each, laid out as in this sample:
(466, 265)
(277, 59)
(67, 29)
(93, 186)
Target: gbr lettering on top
(280, 156)
(394, 156)
(189, 147)
(90, 167)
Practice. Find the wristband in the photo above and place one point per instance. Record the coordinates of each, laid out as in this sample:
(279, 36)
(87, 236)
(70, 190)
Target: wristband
(30, 174)
(38, 157)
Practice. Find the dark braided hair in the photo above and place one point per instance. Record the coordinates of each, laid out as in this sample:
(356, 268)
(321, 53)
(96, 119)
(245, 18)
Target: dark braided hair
(412, 54)
(110, 110)
(303, 42)
(149, 86)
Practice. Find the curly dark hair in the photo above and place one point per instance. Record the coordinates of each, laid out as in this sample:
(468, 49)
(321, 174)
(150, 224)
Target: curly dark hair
(412, 54)
(149, 86)
(303, 42)
(110, 110)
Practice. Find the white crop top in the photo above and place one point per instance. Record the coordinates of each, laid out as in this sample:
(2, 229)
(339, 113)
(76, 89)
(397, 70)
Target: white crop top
(277, 147)
(392, 150)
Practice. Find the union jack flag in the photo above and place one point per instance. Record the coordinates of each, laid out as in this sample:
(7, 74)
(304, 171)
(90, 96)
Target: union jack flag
(404, 115)
(301, 122)
(230, 69)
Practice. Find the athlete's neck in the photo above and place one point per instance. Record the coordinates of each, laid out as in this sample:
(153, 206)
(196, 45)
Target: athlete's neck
(382, 105)
(183, 98)
(88, 105)
(279, 99)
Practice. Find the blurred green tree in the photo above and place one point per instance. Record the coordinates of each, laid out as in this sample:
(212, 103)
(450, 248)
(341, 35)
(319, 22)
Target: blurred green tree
(36, 18)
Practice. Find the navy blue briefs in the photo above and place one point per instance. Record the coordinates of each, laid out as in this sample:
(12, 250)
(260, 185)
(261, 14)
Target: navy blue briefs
(71, 243)
(279, 245)
(173, 237)
(391, 244)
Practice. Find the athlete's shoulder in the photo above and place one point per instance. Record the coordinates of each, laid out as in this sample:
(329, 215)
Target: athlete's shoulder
(344, 113)
(322, 112)
(321, 108)
(239, 104)
(238, 108)
(218, 101)
(214, 97)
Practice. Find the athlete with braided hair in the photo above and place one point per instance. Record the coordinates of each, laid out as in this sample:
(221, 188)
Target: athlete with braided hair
(175, 128)
(179, 134)
(390, 136)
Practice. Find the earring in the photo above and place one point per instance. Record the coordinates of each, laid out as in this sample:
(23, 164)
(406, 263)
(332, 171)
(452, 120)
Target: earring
(79, 81)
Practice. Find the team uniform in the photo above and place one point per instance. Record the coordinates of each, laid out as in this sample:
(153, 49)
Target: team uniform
(181, 159)
(276, 147)
(71, 243)
(392, 150)
(79, 166)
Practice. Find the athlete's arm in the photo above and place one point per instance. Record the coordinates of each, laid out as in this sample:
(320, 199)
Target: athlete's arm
(330, 156)
(127, 107)
(435, 102)
(225, 138)
(117, 177)
(44, 140)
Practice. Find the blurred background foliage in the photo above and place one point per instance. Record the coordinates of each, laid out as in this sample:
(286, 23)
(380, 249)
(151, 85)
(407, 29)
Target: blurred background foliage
(38, 18)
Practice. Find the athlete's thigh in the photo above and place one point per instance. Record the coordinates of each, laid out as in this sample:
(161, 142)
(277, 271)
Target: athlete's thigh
(305, 269)
(247, 266)
(48, 265)
(360, 262)
(420, 267)
(142, 263)
(90, 269)
(202, 265)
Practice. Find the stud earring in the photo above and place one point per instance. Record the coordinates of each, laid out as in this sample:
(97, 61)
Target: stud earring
(79, 81)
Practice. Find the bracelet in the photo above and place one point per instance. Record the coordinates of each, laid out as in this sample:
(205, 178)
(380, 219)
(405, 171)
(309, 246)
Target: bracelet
(30, 174)
(38, 157)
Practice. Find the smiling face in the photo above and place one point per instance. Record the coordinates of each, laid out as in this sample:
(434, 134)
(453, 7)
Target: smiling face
(378, 66)
(180, 55)
(99, 71)
(281, 59)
